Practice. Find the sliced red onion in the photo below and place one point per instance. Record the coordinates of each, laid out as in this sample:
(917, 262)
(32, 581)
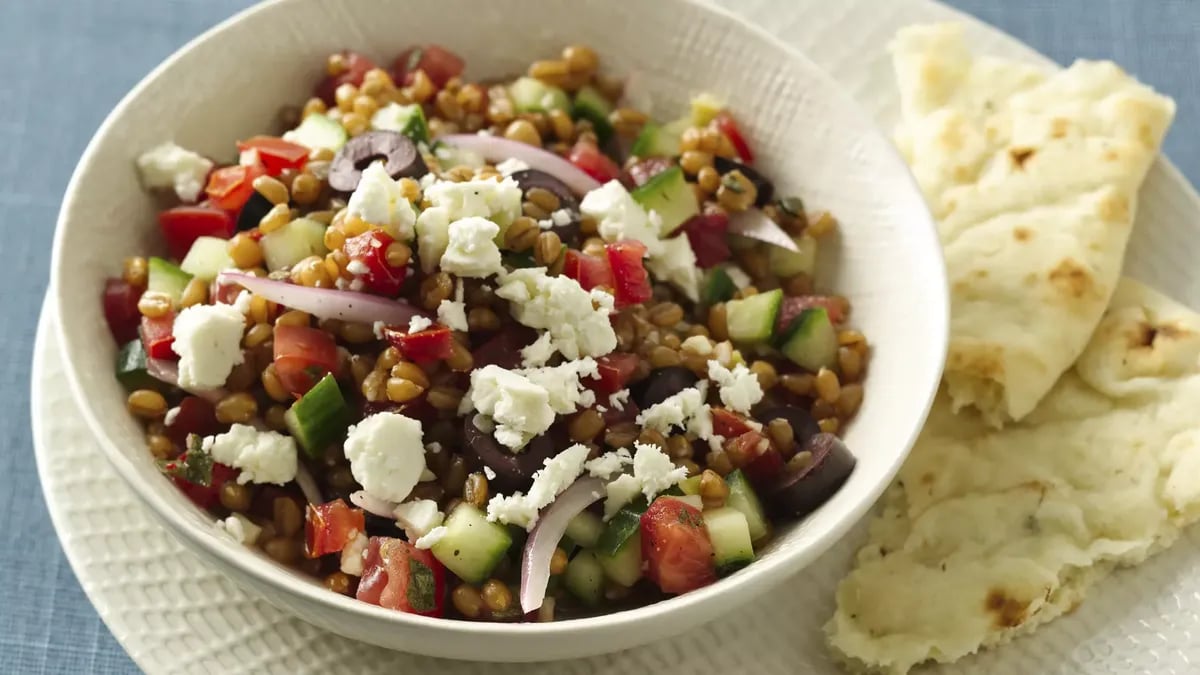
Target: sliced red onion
(168, 372)
(373, 505)
(496, 149)
(755, 224)
(551, 525)
(308, 485)
(326, 303)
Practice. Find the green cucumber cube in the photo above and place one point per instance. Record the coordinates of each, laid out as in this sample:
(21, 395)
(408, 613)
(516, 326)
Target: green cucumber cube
(730, 535)
(585, 578)
(320, 418)
(207, 258)
(532, 95)
(292, 243)
(669, 195)
(166, 277)
(811, 340)
(472, 545)
(752, 320)
(785, 263)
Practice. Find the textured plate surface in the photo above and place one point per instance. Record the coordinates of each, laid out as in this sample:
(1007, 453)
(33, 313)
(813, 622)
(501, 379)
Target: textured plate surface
(175, 614)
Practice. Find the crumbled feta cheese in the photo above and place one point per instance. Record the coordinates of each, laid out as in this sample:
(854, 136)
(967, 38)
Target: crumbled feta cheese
(170, 166)
(453, 313)
(562, 383)
(739, 277)
(249, 157)
(433, 234)
(377, 328)
(429, 540)
(263, 456)
(471, 249)
(600, 408)
(556, 475)
(577, 320)
(619, 216)
(427, 180)
(242, 529)
(675, 263)
(341, 284)
(519, 408)
(489, 473)
(608, 464)
(619, 493)
(418, 323)
(618, 399)
(561, 217)
(453, 156)
(352, 555)
(208, 340)
(242, 302)
(538, 353)
(723, 352)
(697, 344)
(426, 476)
(510, 166)
(356, 266)
(356, 284)
(653, 472)
(545, 224)
(739, 387)
(675, 410)
(394, 117)
(418, 517)
(434, 447)
(386, 455)
(498, 201)
(172, 414)
(379, 200)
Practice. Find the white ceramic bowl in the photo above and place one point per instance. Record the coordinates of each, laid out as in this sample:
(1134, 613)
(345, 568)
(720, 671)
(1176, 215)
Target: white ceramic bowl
(808, 136)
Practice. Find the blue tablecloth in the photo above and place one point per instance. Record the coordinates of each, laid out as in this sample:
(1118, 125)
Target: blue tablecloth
(67, 62)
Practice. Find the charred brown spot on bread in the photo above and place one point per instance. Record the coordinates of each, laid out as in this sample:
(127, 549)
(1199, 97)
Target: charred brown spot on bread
(1059, 126)
(927, 478)
(980, 274)
(1009, 612)
(1020, 156)
(985, 362)
(1111, 155)
(1072, 279)
(1146, 136)
(1022, 233)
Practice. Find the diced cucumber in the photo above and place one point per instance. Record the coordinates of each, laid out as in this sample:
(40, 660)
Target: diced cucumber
(591, 105)
(405, 119)
(743, 498)
(717, 286)
(166, 277)
(472, 546)
(207, 257)
(318, 131)
(704, 107)
(690, 485)
(729, 532)
(803, 260)
(319, 418)
(660, 140)
(752, 319)
(668, 194)
(585, 529)
(810, 341)
(529, 94)
(131, 367)
(623, 525)
(292, 243)
(585, 578)
(625, 566)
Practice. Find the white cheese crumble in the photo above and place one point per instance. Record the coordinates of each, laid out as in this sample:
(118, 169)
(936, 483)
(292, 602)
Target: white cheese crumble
(386, 455)
(379, 200)
(263, 456)
(242, 529)
(208, 340)
(675, 263)
(170, 166)
(418, 323)
(433, 234)
(618, 399)
(697, 344)
(619, 493)
(418, 517)
(498, 201)
(577, 320)
(561, 217)
(519, 408)
(249, 157)
(377, 328)
(562, 384)
(685, 410)
(356, 266)
(453, 313)
(608, 464)
(242, 302)
(510, 166)
(471, 249)
(432, 538)
(619, 216)
(739, 387)
(172, 414)
(394, 117)
(352, 555)
(426, 476)
(488, 473)
(555, 476)
(653, 472)
(539, 352)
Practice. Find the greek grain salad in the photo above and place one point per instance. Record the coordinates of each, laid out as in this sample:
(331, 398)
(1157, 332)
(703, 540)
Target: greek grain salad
(503, 351)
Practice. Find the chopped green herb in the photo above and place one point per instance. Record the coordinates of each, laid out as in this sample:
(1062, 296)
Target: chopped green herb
(194, 466)
(421, 586)
(793, 206)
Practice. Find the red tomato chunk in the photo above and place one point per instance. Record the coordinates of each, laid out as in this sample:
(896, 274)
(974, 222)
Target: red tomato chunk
(158, 336)
(594, 163)
(675, 544)
(615, 369)
(400, 576)
(276, 154)
(330, 527)
(120, 310)
(230, 187)
(183, 225)
(440, 64)
(357, 66)
(726, 125)
(303, 356)
(205, 496)
(631, 283)
(370, 249)
(794, 305)
(433, 344)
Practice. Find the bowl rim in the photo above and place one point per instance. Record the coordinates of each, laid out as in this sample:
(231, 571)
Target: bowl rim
(764, 574)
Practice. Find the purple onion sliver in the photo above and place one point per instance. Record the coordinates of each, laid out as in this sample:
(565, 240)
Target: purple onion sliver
(497, 149)
(551, 525)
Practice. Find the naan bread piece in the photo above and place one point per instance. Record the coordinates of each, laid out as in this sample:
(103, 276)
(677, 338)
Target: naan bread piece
(989, 533)
(1033, 179)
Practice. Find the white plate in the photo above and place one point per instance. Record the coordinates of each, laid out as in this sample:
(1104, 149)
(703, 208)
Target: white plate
(173, 613)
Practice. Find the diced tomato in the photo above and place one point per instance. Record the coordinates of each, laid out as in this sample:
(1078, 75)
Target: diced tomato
(276, 154)
(631, 283)
(158, 336)
(303, 356)
(120, 309)
(230, 186)
(588, 270)
(329, 527)
(370, 249)
(726, 125)
(612, 415)
(205, 496)
(728, 424)
(708, 235)
(645, 169)
(750, 450)
(615, 369)
(676, 547)
(195, 416)
(587, 157)
(504, 349)
(440, 64)
(432, 344)
(357, 66)
(398, 575)
(793, 305)
(225, 294)
(182, 225)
